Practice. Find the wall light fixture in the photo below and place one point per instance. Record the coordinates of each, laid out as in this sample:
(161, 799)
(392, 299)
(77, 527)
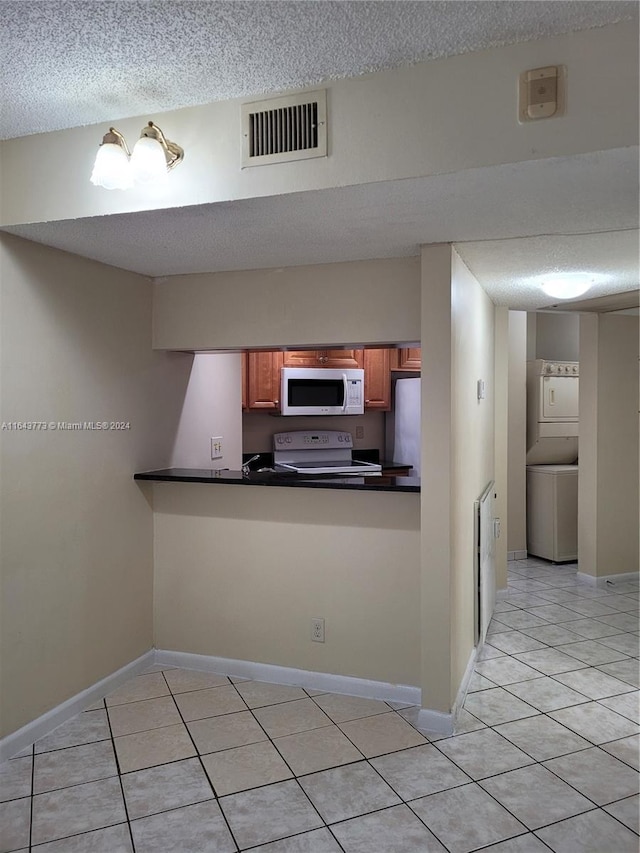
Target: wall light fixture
(152, 157)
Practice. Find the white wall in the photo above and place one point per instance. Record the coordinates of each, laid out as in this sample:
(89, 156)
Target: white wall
(76, 530)
(608, 483)
(379, 302)
(212, 407)
(364, 147)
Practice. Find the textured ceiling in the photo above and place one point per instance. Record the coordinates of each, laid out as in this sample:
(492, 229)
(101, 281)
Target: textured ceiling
(608, 258)
(392, 219)
(66, 64)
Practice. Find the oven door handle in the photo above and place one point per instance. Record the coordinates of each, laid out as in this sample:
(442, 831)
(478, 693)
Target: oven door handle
(344, 381)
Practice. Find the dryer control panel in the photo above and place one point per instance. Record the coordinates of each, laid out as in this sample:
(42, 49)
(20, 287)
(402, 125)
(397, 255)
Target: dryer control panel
(557, 368)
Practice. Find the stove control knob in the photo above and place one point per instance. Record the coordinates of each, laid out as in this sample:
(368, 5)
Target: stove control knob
(288, 439)
(549, 368)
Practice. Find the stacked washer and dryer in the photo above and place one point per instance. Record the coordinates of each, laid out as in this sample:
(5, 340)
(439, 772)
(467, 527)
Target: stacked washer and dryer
(552, 459)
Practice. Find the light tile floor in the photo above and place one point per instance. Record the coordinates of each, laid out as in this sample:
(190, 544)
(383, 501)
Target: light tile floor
(545, 756)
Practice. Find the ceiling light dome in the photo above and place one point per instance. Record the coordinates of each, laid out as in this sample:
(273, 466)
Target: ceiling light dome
(566, 285)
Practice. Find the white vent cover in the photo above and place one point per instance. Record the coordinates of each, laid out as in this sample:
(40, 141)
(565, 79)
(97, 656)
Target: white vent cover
(277, 130)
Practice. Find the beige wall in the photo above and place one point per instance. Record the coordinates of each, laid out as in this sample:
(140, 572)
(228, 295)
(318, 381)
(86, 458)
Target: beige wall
(501, 440)
(588, 459)
(212, 407)
(472, 345)
(379, 302)
(603, 114)
(240, 572)
(258, 429)
(435, 466)
(608, 484)
(517, 440)
(76, 531)
(557, 336)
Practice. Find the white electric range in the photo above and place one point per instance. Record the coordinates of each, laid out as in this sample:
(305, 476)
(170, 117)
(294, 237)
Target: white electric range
(319, 452)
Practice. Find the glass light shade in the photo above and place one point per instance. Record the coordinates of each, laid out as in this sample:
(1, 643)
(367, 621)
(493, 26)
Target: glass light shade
(148, 161)
(112, 169)
(566, 286)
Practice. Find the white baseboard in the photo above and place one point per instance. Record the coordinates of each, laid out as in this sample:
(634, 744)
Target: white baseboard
(516, 555)
(434, 722)
(428, 720)
(38, 728)
(464, 685)
(287, 675)
(438, 722)
(606, 581)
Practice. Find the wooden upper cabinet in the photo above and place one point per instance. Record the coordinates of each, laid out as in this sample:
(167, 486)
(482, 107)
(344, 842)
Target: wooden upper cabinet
(261, 374)
(409, 358)
(377, 380)
(339, 358)
(263, 380)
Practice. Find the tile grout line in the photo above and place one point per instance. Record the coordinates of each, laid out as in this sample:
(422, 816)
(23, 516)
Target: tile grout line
(117, 761)
(204, 770)
(33, 776)
(297, 777)
(581, 666)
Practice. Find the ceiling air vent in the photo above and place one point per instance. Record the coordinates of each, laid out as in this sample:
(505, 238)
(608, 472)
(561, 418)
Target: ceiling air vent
(293, 127)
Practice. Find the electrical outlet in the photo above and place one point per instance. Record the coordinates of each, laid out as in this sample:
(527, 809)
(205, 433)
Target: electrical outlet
(359, 432)
(216, 447)
(317, 630)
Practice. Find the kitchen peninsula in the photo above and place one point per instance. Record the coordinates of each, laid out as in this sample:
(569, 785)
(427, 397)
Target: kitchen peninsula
(239, 573)
(279, 478)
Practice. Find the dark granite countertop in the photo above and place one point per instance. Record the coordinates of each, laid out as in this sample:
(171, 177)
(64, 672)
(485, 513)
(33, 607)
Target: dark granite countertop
(268, 478)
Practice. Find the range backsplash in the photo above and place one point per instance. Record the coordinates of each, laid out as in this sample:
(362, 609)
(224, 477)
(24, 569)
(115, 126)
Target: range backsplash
(258, 429)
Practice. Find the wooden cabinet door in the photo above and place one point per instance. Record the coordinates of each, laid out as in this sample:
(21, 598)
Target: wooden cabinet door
(409, 358)
(343, 358)
(377, 380)
(303, 358)
(339, 358)
(263, 380)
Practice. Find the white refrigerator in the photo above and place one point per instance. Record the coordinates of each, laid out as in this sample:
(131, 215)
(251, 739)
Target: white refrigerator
(402, 427)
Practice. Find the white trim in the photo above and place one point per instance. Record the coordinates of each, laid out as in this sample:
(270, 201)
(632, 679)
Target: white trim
(464, 685)
(604, 581)
(516, 555)
(434, 722)
(38, 728)
(287, 675)
(438, 722)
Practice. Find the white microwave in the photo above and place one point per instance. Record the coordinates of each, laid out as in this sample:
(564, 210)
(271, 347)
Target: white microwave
(321, 391)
